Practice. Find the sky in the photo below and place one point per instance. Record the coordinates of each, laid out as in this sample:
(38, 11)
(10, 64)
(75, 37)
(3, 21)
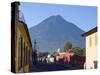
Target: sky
(85, 17)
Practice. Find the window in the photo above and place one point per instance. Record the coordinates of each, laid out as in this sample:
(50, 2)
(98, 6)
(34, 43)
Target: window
(27, 55)
(24, 53)
(15, 39)
(96, 39)
(19, 53)
(90, 41)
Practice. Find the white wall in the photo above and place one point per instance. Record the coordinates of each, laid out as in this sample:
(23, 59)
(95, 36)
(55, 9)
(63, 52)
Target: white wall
(91, 51)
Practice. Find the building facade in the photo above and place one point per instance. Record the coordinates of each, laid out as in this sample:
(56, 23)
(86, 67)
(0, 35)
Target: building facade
(21, 46)
(91, 48)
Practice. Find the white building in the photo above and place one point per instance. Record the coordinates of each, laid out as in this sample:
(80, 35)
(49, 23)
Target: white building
(91, 48)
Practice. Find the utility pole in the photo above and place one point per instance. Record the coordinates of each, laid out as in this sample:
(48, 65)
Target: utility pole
(34, 54)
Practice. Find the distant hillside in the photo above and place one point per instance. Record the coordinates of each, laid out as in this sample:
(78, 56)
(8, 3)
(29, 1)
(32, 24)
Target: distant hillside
(54, 31)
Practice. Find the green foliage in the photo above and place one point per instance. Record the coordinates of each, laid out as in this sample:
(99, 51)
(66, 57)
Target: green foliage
(79, 51)
(67, 46)
(76, 50)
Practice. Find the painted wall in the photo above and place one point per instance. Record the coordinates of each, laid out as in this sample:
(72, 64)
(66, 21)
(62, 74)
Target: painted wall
(91, 50)
(26, 49)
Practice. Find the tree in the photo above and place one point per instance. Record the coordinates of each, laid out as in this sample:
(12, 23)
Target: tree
(79, 51)
(67, 46)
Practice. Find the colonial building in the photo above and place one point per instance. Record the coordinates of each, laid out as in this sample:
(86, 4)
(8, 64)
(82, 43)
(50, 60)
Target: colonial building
(91, 48)
(21, 46)
(64, 56)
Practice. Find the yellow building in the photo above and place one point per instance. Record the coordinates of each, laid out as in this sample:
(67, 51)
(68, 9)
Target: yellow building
(21, 46)
(91, 48)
